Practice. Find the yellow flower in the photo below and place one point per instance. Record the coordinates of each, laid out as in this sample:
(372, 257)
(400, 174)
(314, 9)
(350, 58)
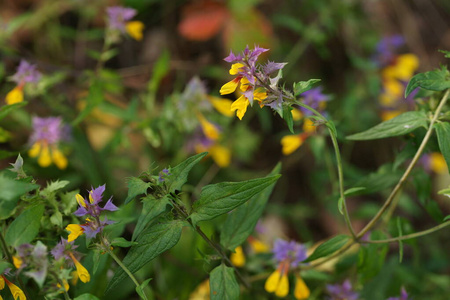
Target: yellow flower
(59, 159)
(308, 126)
(301, 290)
(46, 155)
(17, 261)
(297, 114)
(221, 155)
(278, 284)
(290, 143)
(75, 231)
(257, 245)
(14, 96)
(393, 88)
(2, 282)
(135, 29)
(230, 86)
(209, 129)
(66, 285)
(221, 105)
(437, 163)
(240, 106)
(235, 68)
(44, 159)
(238, 257)
(82, 273)
(202, 292)
(404, 67)
(389, 114)
(16, 292)
(80, 200)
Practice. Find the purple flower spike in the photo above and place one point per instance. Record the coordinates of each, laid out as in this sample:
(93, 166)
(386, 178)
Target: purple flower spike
(97, 193)
(313, 98)
(26, 73)
(271, 67)
(163, 174)
(232, 58)
(110, 206)
(118, 16)
(342, 292)
(290, 251)
(50, 130)
(61, 249)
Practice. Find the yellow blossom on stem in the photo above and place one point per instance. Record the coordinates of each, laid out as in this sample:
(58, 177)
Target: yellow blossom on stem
(230, 86)
(208, 128)
(240, 106)
(17, 261)
(297, 114)
(290, 143)
(75, 231)
(235, 68)
(221, 105)
(309, 126)
(257, 245)
(59, 159)
(437, 163)
(238, 257)
(301, 290)
(135, 29)
(44, 159)
(16, 292)
(82, 273)
(80, 200)
(14, 96)
(221, 155)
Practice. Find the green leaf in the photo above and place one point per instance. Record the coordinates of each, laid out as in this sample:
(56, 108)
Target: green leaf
(241, 222)
(160, 69)
(287, 116)
(446, 53)
(136, 186)
(400, 125)
(86, 296)
(303, 86)
(152, 242)
(180, 172)
(4, 265)
(354, 191)
(341, 205)
(443, 135)
(5, 154)
(385, 177)
(223, 284)
(6, 109)
(152, 208)
(56, 219)
(446, 218)
(220, 198)
(141, 287)
(436, 80)
(123, 243)
(53, 187)
(25, 227)
(328, 247)
(11, 190)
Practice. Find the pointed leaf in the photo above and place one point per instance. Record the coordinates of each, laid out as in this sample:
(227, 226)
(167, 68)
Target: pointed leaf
(223, 284)
(6, 109)
(400, 125)
(329, 247)
(123, 243)
(11, 190)
(141, 287)
(180, 172)
(303, 86)
(287, 116)
(25, 227)
(436, 80)
(218, 199)
(443, 135)
(136, 186)
(152, 208)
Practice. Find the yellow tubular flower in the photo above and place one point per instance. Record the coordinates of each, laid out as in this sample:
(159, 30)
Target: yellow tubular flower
(135, 29)
(45, 159)
(290, 143)
(2, 282)
(222, 105)
(389, 114)
(74, 275)
(75, 231)
(283, 286)
(15, 291)
(272, 282)
(406, 65)
(35, 150)
(301, 291)
(259, 95)
(387, 100)
(17, 261)
(238, 257)
(437, 163)
(59, 159)
(66, 285)
(14, 96)
(297, 114)
(235, 68)
(240, 105)
(308, 126)
(229, 87)
(258, 246)
(80, 200)
(221, 155)
(208, 128)
(83, 274)
(393, 88)
(244, 84)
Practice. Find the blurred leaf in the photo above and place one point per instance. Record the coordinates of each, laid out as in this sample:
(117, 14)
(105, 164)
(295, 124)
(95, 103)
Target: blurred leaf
(86, 297)
(223, 284)
(6, 109)
(5, 136)
(141, 287)
(136, 186)
(400, 125)
(179, 173)
(161, 68)
(303, 86)
(328, 247)
(446, 53)
(202, 20)
(57, 219)
(443, 135)
(241, 222)
(372, 257)
(3, 266)
(152, 208)
(25, 227)
(11, 190)
(436, 80)
(220, 198)
(94, 98)
(287, 116)
(353, 191)
(380, 180)
(6, 154)
(152, 242)
(53, 187)
(123, 243)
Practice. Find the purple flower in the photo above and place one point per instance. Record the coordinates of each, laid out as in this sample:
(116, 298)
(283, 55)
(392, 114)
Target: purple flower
(315, 99)
(50, 130)
(403, 295)
(271, 67)
(342, 291)
(118, 16)
(386, 48)
(289, 251)
(26, 73)
(91, 207)
(62, 249)
(163, 174)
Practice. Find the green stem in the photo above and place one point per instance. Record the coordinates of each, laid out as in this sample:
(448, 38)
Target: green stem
(119, 262)
(409, 236)
(408, 170)
(66, 295)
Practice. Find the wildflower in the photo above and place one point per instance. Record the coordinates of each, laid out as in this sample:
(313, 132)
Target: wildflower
(434, 162)
(220, 154)
(91, 208)
(238, 257)
(26, 73)
(163, 174)
(292, 142)
(257, 245)
(403, 295)
(119, 21)
(315, 99)
(202, 292)
(16, 292)
(210, 130)
(386, 48)
(342, 291)
(255, 81)
(47, 134)
(288, 255)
